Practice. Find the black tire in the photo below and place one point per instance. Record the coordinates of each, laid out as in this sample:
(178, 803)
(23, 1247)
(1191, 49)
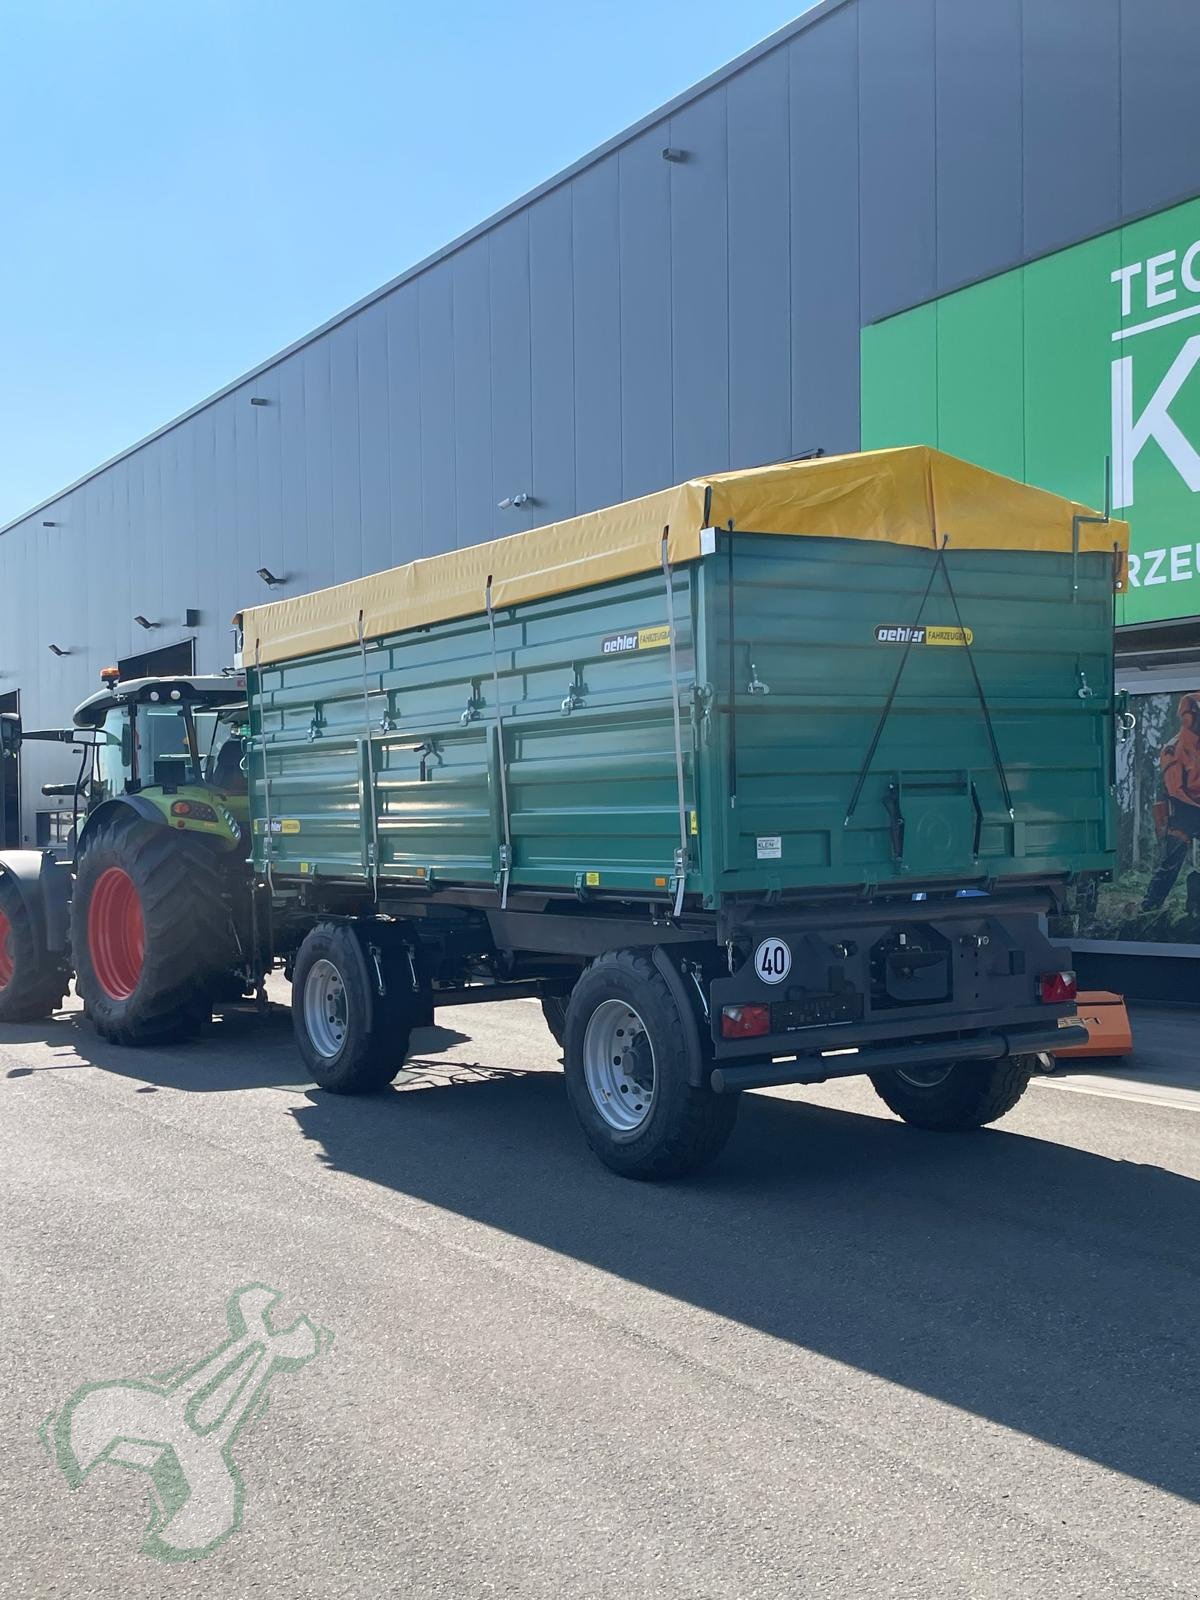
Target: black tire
(685, 1126)
(186, 934)
(970, 1095)
(374, 1029)
(554, 1009)
(32, 981)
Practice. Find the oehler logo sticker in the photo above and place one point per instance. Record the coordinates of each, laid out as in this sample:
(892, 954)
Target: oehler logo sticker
(907, 633)
(619, 644)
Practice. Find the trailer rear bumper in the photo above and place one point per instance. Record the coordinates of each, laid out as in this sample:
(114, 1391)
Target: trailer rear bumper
(734, 1077)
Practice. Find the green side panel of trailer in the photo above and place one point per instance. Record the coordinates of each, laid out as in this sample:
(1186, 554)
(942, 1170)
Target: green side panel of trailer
(392, 755)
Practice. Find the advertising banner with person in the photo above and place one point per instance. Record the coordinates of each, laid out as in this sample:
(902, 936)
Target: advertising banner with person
(1155, 894)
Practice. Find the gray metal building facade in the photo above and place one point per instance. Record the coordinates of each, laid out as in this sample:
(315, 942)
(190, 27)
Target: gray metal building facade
(641, 318)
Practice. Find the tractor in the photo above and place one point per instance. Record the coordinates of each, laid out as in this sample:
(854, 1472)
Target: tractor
(153, 910)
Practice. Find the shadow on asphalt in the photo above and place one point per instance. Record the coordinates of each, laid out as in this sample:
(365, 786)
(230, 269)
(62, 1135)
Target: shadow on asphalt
(241, 1049)
(1047, 1289)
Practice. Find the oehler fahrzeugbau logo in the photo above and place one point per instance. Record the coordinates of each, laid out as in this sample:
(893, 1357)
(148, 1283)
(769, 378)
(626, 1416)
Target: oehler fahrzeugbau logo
(1154, 340)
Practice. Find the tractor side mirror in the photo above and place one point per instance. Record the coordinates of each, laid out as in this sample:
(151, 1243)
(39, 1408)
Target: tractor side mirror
(10, 733)
(126, 746)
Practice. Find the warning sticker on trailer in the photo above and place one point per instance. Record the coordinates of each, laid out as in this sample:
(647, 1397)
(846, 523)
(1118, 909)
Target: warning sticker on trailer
(769, 847)
(619, 644)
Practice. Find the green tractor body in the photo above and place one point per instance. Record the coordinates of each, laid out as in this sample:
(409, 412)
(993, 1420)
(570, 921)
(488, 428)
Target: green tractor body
(153, 912)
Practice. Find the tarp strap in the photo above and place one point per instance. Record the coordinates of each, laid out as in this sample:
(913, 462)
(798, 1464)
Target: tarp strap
(369, 795)
(983, 705)
(262, 739)
(891, 698)
(681, 855)
(506, 853)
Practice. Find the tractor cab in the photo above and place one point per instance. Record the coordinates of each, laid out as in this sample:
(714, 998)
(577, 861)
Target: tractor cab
(174, 744)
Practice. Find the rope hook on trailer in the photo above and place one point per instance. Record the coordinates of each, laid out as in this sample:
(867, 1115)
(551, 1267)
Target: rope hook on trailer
(682, 863)
(369, 796)
(506, 851)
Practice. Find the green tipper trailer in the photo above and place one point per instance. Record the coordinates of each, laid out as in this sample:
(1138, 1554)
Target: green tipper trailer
(765, 779)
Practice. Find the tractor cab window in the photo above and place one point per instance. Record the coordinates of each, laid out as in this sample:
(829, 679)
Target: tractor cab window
(222, 751)
(112, 757)
(163, 755)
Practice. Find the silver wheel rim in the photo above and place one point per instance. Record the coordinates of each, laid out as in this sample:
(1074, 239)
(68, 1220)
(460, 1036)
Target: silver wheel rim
(619, 1067)
(931, 1077)
(325, 1009)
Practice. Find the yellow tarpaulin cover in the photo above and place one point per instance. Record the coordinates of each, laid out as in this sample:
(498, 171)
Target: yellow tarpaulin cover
(908, 496)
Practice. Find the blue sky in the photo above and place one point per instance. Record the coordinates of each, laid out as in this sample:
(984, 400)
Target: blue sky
(187, 186)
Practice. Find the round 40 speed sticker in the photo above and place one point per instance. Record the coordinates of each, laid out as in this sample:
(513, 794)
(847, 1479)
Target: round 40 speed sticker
(772, 961)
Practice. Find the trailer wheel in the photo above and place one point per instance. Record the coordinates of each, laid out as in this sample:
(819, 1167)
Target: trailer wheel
(627, 1073)
(150, 932)
(955, 1094)
(352, 1039)
(32, 980)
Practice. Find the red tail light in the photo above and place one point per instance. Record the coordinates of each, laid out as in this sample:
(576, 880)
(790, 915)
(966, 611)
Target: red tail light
(745, 1022)
(1056, 988)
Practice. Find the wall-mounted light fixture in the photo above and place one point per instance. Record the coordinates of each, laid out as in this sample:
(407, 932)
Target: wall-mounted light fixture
(144, 622)
(57, 650)
(49, 524)
(514, 502)
(269, 578)
(673, 153)
(259, 400)
(191, 618)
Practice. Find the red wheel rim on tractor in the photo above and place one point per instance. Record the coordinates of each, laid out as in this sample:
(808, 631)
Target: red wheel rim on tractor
(6, 956)
(116, 933)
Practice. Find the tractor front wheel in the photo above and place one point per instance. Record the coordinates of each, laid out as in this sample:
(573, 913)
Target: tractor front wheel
(150, 932)
(32, 981)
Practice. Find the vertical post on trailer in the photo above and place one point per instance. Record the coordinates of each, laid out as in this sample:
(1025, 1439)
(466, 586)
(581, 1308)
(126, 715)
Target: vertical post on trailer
(368, 764)
(506, 852)
(682, 863)
(262, 742)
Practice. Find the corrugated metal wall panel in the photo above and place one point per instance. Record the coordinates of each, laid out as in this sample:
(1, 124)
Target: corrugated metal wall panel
(897, 166)
(511, 362)
(596, 313)
(645, 266)
(552, 348)
(1160, 103)
(1070, 120)
(823, 116)
(978, 137)
(438, 516)
(406, 536)
(475, 503)
(374, 437)
(760, 279)
(700, 288)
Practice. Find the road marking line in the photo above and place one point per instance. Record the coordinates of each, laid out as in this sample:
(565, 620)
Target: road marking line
(1179, 1100)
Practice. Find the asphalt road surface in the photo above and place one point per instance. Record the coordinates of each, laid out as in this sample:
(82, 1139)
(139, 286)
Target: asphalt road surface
(855, 1360)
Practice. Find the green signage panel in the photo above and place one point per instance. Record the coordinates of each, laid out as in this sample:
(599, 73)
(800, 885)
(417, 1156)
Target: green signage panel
(1045, 371)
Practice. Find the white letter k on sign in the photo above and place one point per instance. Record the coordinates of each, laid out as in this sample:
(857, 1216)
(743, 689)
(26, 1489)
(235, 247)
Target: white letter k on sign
(1155, 422)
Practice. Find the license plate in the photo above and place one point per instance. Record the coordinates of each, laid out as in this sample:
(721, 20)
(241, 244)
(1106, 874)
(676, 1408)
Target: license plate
(815, 1011)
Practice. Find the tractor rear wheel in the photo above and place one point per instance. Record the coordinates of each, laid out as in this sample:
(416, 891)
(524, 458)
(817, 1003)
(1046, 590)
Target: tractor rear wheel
(32, 981)
(150, 932)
